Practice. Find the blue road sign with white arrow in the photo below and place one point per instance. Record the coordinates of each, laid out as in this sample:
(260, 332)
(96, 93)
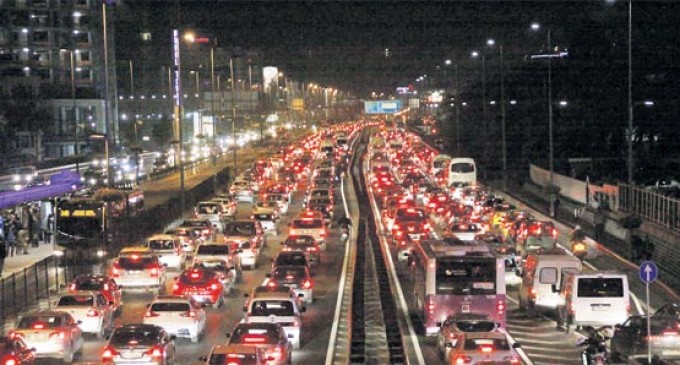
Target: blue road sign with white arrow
(649, 272)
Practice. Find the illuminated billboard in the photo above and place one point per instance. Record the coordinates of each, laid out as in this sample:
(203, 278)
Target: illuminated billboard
(382, 106)
(269, 75)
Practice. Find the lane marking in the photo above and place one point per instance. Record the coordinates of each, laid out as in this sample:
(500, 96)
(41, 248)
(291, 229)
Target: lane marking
(341, 292)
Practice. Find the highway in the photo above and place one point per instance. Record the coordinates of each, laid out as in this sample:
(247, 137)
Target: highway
(542, 342)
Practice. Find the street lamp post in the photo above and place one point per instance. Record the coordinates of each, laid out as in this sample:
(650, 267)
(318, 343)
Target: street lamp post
(73, 108)
(177, 97)
(484, 134)
(233, 111)
(551, 157)
(630, 96)
(490, 43)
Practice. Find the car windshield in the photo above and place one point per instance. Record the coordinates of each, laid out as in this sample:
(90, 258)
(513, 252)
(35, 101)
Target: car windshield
(207, 209)
(240, 229)
(214, 265)
(266, 308)
(36, 322)
(195, 223)
(76, 300)
(170, 307)
(161, 244)
(289, 272)
(134, 337)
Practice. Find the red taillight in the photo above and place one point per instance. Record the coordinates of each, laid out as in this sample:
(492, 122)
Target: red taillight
(10, 362)
(16, 335)
(115, 270)
(39, 326)
(175, 288)
(533, 292)
(395, 227)
(214, 286)
(109, 353)
(205, 231)
(276, 354)
(554, 233)
(461, 359)
(427, 226)
(254, 339)
(153, 271)
(670, 333)
(177, 250)
(500, 306)
(93, 313)
(73, 286)
(431, 306)
(312, 249)
(106, 287)
(486, 349)
(271, 284)
(323, 232)
(155, 352)
(307, 284)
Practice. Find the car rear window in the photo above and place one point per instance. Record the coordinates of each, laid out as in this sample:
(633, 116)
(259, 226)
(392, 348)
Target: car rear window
(239, 229)
(90, 285)
(208, 209)
(600, 288)
(135, 337)
(410, 213)
(162, 244)
(138, 263)
(170, 307)
(476, 326)
(265, 308)
(254, 335)
(307, 223)
(196, 277)
(218, 265)
(289, 272)
(193, 223)
(263, 216)
(213, 250)
(76, 300)
(44, 321)
(296, 259)
(233, 358)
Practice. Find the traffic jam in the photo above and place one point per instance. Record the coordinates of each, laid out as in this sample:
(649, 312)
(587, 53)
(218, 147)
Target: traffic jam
(465, 255)
(251, 275)
(252, 255)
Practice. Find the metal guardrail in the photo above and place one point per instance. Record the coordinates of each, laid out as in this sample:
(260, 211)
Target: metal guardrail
(650, 205)
(41, 281)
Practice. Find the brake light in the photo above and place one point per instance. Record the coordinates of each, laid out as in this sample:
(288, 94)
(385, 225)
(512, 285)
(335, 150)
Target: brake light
(106, 287)
(205, 231)
(115, 270)
(16, 335)
(93, 313)
(109, 353)
(395, 227)
(431, 305)
(56, 336)
(307, 284)
(73, 286)
(323, 232)
(10, 362)
(312, 249)
(276, 354)
(670, 333)
(534, 291)
(486, 349)
(176, 250)
(155, 352)
(461, 359)
(254, 339)
(292, 232)
(175, 288)
(214, 286)
(271, 284)
(554, 233)
(500, 306)
(151, 314)
(427, 226)
(39, 326)
(153, 271)
(514, 360)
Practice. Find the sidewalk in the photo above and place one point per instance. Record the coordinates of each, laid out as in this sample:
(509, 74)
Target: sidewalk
(19, 262)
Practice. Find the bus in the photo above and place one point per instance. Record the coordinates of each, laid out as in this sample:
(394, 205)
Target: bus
(451, 277)
(462, 172)
(86, 222)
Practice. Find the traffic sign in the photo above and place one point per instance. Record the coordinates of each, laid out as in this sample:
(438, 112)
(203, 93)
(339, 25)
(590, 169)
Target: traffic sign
(649, 272)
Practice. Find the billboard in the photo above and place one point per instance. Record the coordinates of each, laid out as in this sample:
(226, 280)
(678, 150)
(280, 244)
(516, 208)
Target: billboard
(269, 75)
(382, 106)
(297, 104)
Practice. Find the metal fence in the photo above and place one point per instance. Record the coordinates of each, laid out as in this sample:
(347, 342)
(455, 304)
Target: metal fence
(650, 205)
(22, 291)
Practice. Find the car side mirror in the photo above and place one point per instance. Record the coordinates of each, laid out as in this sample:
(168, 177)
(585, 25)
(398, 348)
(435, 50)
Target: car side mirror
(148, 305)
(618, 326)
(173, 337)
(301, 295)
(246, 295)
(516, 345)
(227, 335)
(203, 358)
(554, 288)
(33, 349)
(118, 287)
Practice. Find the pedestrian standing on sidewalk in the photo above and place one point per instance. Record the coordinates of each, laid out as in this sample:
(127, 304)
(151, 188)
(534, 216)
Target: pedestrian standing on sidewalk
(599, 220)
(11, 235)
(557, 204)
(29, 224)
(23, 240)
(36, 228)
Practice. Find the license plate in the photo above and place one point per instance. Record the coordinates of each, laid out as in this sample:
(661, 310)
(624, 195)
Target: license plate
(414, 236)
(600, 308)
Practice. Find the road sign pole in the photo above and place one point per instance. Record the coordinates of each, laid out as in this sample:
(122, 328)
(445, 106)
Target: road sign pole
(648, 273)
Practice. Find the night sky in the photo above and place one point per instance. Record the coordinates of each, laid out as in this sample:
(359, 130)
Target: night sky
(342, 43)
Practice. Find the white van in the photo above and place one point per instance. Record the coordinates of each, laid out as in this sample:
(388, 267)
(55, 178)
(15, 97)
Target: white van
(599, 298)
(539, 273)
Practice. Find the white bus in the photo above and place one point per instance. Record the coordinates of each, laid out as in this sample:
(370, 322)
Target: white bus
(451, 277)
(462, 172)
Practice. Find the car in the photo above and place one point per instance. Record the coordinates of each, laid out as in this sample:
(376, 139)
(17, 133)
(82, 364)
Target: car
(281, 199)
(536, 235)
(631, 337)
(310, 223)
(220, 251)
(277, 307)
(138, 267)
(296, 277)
(139, 343)
(323, 206)
(52, 334)
(455, 325)
(484, 348)
(169, 250)
(270, 337)
(203, 226)
(410, 221)
(319, 193)
(245, 230)
(305, 244)
(14, 351)
(90, 309)
(228, 204)
(212, 211)
(247, 253)
(268, 221)
(179, 316)
(188, 237)
(237, 355)
(668, 310)
(202, 285)
(220, 267)
(102, 284)
(266, 207)
(242, 191)
(465, 231)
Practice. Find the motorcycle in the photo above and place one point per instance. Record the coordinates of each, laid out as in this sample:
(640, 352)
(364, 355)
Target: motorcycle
(595, 351)
(579, 249)
(345, 232)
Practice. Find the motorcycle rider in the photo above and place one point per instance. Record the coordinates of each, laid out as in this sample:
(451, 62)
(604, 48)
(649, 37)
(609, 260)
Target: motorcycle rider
(578, 244)
(345, 223)
(596, 345)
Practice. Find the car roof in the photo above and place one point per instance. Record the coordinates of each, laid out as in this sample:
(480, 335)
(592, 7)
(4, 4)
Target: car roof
(162, 237)
(138, 249)
(275, 295)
